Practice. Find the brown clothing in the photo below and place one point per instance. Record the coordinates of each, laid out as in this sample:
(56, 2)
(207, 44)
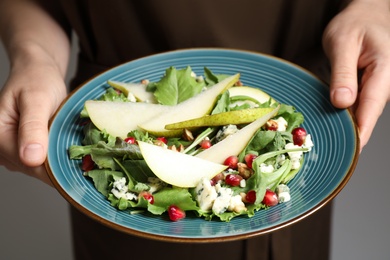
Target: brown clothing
(117, 31)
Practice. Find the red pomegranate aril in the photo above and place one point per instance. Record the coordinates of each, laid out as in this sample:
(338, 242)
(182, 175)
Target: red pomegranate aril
(233, 179)
(299, 135)
(231, 162)
(270, 198)
(205, 144)
(148, 196)
(175, 213)
(250, 197)
(87, 163)
(216, 179)
(130, 140)
(249, 158)
(162, 139)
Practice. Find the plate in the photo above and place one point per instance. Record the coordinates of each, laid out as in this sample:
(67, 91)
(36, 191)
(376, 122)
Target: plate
(326, 170)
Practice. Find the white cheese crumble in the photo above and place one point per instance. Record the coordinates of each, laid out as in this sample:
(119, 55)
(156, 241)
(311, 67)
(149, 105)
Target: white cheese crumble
(120, 190)
(266, 168)
(222, 202)
(295, 157)
(131, 97)
(225, 132)
(216, 198)
(282, 124)
(236, 204)
(308, 143)
(283, 193)
(205, 194)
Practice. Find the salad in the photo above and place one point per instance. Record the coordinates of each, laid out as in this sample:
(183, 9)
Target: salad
(149, 146)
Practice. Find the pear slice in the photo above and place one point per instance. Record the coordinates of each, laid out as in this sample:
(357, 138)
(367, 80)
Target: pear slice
(254, 96)
(194, 107)
(235, 143)
(236, 117)
(178, 169)
(138, 90)
(119, 118)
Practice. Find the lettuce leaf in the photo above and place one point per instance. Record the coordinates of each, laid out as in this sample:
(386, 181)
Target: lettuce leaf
(177, 86)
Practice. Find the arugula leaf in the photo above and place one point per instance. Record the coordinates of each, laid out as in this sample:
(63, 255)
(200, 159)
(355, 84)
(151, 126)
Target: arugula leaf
(177, 86)
(211, 78)
(260, 181)
(103, 178)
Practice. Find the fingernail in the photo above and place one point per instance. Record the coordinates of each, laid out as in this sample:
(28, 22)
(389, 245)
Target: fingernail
(342, 95)
(33, 152)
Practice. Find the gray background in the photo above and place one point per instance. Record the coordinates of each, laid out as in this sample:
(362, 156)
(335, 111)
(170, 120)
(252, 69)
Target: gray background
(34, 220)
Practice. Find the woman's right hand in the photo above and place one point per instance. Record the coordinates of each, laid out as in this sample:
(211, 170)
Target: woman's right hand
(38, 49)
(28, 99)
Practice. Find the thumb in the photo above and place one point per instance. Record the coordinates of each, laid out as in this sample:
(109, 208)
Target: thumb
(343, 57)
(35, 110)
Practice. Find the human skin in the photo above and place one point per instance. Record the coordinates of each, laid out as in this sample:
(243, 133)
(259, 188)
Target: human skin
(357, 43)
(38, 48)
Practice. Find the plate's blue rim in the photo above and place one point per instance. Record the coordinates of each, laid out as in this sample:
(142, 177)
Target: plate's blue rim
(247, 235)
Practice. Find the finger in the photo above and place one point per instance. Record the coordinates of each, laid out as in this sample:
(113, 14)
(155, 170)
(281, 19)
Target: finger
(343, 56)
(372, 101)
(34, 111)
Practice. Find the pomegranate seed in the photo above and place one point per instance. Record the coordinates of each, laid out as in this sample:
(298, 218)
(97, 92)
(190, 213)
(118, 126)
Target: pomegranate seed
(250, 197)
(162, 139)
(249, 158)
(175, 213)
(231, 162)
(146, 195)
(87, 163)
(205, 144)
(130, 140)
(299, 135)
(233, 179)
(270, 198)
(217, 178)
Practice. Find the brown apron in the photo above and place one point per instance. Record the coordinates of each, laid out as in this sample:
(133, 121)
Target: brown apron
(117, 31)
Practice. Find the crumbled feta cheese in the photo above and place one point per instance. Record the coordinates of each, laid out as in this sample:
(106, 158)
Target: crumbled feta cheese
(243, 183)
(283, 192)
(282, 124)
(266, 168)
(205, 194)
(131, 97)
(295, 157)
(222, 202)
(225, 132)
(236, 204)
(308, 143)
(120, 190)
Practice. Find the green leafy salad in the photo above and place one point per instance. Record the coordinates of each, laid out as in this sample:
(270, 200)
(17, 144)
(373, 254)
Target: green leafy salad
(187, 144)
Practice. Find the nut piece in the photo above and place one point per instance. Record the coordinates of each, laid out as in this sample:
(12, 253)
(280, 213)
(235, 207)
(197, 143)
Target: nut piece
(176, 149)
(244, 171)
(187, 135)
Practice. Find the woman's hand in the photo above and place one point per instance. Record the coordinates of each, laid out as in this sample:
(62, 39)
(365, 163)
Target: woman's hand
(27, 101)
(38, 49)
(357, 42)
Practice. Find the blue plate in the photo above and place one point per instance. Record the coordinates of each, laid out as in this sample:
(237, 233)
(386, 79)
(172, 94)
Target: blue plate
(326, 170)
